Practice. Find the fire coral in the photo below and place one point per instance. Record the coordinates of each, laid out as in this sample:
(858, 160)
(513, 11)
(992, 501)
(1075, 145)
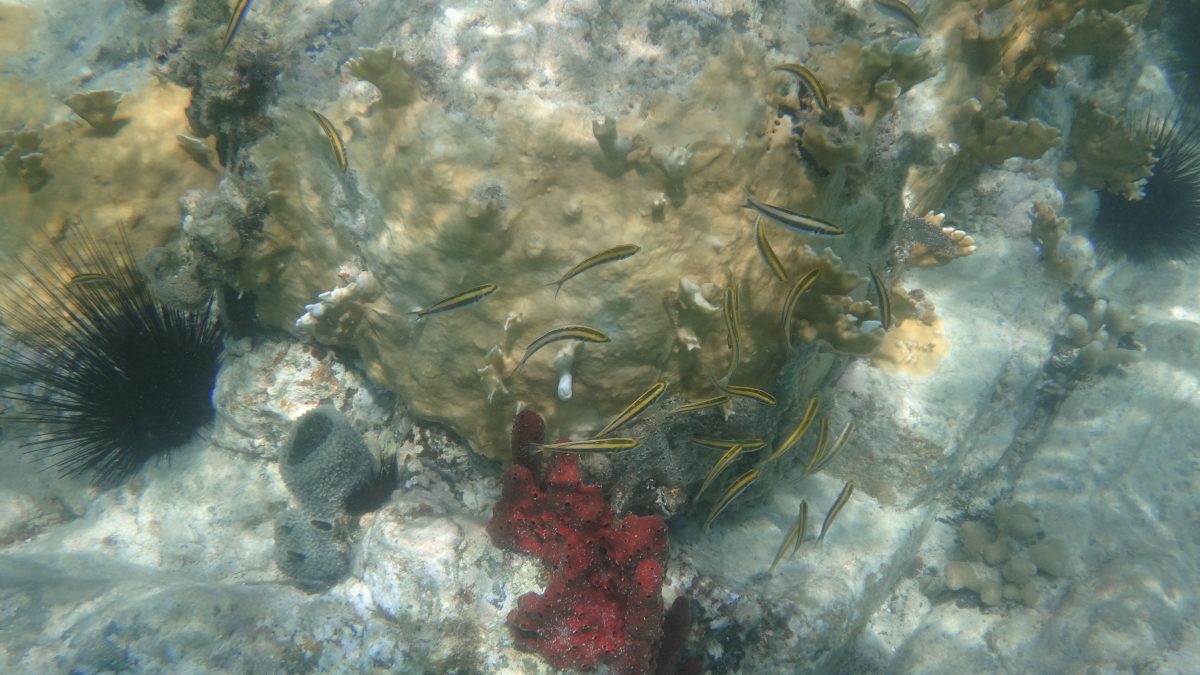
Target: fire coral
(603, 604)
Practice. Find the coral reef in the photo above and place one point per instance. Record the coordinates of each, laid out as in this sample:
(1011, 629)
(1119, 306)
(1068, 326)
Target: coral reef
(603, 603)
(1004, 561)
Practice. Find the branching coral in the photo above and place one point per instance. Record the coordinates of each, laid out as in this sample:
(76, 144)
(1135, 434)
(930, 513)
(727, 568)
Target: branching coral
(928, 242)
(1109, 155)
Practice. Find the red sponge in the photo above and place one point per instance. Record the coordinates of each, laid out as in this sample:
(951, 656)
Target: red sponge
(603, 604)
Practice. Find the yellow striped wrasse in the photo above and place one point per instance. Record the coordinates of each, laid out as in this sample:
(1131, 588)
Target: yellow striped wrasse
(570, 332)
(746, 392)
(810, 414)
(90, 279)
(832, 451)
(885, 302)
(789, 304)
(900, 11)
(239, 13)
(335, 140)
(765, 250)
(467, 297)
(792, 220)
(611, 255)
(818, 453)
(810, 82)
(748, 444)
(731, 455)
(701, 404)
(794, 536)
(615, 444)
(639, 405)
(736, 488)
(842, 498)
(733, 316)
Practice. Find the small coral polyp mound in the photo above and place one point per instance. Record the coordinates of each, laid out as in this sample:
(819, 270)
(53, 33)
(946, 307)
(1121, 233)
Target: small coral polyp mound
(603, 604)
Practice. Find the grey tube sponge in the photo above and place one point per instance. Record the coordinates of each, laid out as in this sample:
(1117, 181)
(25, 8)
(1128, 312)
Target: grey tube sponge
(326, 462)
(306, 550)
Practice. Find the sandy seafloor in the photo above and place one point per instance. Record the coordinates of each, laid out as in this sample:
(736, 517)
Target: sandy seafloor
(174, 571)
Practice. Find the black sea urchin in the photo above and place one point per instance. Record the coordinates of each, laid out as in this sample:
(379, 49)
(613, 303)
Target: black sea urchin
(118, 377)
(1165, 222)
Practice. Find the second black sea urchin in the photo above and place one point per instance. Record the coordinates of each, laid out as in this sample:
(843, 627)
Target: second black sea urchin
(1165, 222)
(110, 375)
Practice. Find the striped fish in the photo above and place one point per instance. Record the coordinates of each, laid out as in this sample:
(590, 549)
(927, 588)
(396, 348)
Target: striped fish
(611, 255)
(239, 13)
(615, 444)
(901, 12)
(90, 279)
(794, 536)
(810, 413)
(832, 451)
(768, 253)
(789, 304)
(818, 453)
(792, 220)
(570, 332)
(810, 82)
(733, 316)
(335, 141)
(738, 486)
(639, 405)
(748, 444)
(885, 302)
(467, 297)
(746, 392)
(731, 455)
(701, 405)
(843, 497)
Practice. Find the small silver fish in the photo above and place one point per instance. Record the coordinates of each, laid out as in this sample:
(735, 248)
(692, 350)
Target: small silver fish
(571, 332)
(611, 255)
(792, 220)
(467, 297)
